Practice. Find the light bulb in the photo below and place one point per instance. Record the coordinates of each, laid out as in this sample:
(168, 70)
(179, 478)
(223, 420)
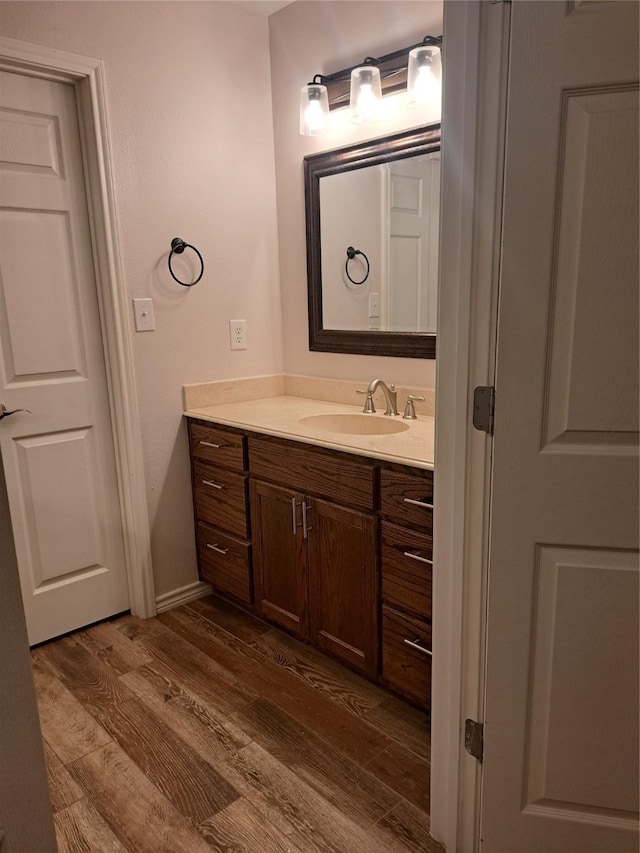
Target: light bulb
(426, 85)
(367, 103)
(313, 117)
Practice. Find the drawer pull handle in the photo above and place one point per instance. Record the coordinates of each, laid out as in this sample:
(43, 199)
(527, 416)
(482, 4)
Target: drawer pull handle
(295, 524)
(418, 558)
(415, 644)
(418, 503)
(218, 549)
(212, 484)
(305, 521)
(210, 444)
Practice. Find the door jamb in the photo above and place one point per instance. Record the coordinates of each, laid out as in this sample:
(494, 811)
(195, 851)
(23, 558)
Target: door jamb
(87, 75)
(474, 105)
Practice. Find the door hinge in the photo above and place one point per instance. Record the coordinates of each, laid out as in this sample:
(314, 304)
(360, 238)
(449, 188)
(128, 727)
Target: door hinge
(484, 406)
(474, 738)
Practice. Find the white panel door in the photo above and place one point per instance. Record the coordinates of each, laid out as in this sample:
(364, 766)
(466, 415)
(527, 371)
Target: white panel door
(560, 771)
(59, 459)
(413, 235)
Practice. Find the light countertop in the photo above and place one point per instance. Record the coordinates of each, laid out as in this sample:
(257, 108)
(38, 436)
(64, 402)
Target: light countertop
(281, 416)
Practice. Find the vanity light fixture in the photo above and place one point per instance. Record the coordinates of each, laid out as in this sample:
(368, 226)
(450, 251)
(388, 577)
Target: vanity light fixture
(423, 81)
(416, 69)
(365, 94)
(314, 108)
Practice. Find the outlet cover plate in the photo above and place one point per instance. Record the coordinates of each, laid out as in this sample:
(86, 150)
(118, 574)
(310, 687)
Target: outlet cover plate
(238, 334)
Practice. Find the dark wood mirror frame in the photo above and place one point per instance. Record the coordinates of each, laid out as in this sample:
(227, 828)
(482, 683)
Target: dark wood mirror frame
(396, 147)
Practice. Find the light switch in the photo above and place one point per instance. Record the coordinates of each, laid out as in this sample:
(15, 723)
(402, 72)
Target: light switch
(374, 304)
(143, 313)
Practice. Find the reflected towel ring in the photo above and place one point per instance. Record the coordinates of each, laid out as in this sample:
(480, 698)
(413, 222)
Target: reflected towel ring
(178, 246)
(351, 253)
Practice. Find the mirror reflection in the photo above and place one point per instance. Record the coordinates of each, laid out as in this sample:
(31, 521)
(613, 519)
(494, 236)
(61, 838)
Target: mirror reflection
(379, 229)
(372, 222)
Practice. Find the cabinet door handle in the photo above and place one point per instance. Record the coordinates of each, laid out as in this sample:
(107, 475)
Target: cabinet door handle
(218, 549)
(418, 503)
(212, 484)
(305, 524)
(415, 644)
(417, 557)
(210, 444)
(294, 516)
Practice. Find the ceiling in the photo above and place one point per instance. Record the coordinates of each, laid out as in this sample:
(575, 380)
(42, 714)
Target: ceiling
(264, 7)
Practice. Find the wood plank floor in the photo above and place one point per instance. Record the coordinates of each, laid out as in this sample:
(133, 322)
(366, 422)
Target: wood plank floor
(207, 729)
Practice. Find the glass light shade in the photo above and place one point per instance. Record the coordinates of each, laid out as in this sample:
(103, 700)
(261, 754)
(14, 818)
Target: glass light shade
(366, 94)
(314, 109)
(423, 76)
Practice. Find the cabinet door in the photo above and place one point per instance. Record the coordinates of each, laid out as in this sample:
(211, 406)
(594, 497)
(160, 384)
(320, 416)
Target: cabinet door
(343, 565)
(280, 571)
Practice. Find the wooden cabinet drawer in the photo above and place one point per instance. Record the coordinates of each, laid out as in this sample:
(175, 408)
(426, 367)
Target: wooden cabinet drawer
(224, 562)
(406, 569)
(406, 656)
(222, 447)
(220, 498)
(338, 477)
(408, 498)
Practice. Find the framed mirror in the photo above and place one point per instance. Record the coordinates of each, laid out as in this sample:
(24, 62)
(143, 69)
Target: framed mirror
(372, 224)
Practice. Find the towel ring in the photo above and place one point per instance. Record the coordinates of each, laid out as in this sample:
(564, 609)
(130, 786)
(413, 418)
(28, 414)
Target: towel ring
(351, 253)
(178, 246)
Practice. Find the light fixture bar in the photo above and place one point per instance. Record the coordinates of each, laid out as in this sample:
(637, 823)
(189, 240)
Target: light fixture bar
(392, 67)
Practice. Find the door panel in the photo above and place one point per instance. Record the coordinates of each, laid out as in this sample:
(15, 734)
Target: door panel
(343, 567)
(561, 718)
(592, 396)
(59, 458)
(585, 604)
(28, 306)
(280, 564)
(414, 212)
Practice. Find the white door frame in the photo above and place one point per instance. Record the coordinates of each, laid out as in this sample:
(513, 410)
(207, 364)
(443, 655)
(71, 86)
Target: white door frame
(87, 76)
(473, 122)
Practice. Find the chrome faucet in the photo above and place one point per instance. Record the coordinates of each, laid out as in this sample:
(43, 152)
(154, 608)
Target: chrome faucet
(390, 395)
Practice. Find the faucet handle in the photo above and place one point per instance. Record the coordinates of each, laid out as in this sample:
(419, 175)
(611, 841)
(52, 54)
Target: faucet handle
(410, 409)
(369, 408)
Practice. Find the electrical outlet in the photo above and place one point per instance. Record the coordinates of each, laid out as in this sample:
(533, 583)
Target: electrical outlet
(374, 304)
(238, 334)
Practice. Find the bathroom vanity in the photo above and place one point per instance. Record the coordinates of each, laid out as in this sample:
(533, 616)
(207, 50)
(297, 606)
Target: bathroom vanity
(325, 534)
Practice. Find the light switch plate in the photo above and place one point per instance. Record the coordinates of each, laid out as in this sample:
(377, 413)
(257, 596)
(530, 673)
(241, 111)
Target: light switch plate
(374, 304)
(143, 313)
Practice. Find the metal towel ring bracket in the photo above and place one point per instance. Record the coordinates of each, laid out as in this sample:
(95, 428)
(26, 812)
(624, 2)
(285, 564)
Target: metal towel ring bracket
(351, 253)
(178, 246)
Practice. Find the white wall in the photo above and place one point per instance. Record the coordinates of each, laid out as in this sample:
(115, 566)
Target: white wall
(318, 37)
(350, 215)
(190, 107)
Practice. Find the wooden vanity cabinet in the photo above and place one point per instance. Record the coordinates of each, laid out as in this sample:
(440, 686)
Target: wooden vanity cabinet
(406, 503)
(220, 501)
(333, 547)
(315, 547)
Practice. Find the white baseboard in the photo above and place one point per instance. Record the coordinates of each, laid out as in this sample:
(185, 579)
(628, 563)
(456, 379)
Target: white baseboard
(182, 595)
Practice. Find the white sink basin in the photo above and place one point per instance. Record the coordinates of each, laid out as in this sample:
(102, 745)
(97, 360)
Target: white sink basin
(355, 424)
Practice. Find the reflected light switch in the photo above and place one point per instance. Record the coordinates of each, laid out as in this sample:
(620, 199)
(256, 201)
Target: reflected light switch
(374, 304)
(143, 313)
